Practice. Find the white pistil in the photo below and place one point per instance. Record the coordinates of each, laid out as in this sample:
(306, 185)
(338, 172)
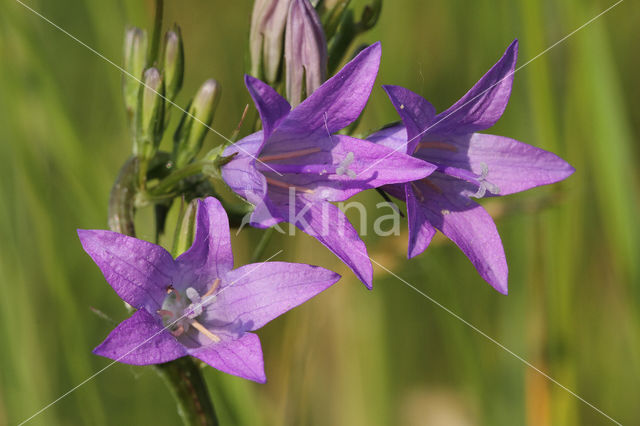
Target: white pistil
(485, 186)
(279, 184)
(288, 155)
(343, 168)
(202, 329)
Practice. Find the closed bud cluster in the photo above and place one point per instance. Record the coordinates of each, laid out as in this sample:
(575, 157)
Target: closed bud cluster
(194, 125)
(150, 117)
(173, 62)
(305, 51)
(135, 59)
(265, 38)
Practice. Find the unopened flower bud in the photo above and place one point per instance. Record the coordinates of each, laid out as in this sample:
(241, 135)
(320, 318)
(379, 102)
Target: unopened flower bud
(194, 126)
(186, 229)
(150, 120)
(370, 15)
(305, 51)
(265, 38)
(135, 58)
(173, 62)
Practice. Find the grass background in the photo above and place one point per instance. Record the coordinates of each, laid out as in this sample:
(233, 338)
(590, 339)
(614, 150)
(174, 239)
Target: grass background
(349, 357)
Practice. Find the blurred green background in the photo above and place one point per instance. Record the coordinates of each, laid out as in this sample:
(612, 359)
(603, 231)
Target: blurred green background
(349, 357)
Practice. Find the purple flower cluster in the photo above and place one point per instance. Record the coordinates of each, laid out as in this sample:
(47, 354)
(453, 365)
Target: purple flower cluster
(296, 166)
(292, 171)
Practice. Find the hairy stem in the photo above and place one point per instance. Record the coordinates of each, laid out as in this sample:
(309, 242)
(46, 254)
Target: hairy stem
(188, 387)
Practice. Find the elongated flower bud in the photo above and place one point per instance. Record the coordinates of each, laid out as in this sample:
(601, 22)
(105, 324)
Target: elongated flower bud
(305, 51)
(194, 126)
(185, 232)
(173, 62)
(135, 58)
(265, 38)
(150, 118)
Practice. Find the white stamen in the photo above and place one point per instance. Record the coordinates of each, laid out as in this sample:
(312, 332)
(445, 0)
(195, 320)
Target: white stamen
(213, 288)
(274, 182)
(202, 329)
(288, 155)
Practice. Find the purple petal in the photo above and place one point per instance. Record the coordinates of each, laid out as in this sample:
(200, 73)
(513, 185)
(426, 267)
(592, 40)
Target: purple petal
(210, 255)
(332, 107)
(416, 112)
(241, 357)
(140, 340)
(271, 106)
(394, 137)
(344, 166)
(241, 174)
(484, 104)
(138, 271)
(420, 230)
(509, 165)
(466, 223)
(255, 294)
(326, 223)
(265, 215)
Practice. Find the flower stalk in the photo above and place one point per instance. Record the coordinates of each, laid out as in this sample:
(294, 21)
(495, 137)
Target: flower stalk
(187, 385)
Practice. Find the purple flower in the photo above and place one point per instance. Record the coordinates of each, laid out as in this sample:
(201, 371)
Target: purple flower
(197, 304)
(470, 165)
(303, 165)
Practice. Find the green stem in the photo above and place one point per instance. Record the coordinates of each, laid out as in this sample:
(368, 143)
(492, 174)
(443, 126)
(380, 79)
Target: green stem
(188, 387)
(262, 245)
(178, 176)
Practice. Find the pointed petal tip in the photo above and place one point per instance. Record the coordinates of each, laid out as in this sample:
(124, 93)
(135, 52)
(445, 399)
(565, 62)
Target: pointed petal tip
(249, 79)
(513, 49)
(374, 50)
(500, 285)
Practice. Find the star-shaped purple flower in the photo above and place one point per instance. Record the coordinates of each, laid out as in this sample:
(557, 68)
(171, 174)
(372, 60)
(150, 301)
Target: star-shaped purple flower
(303, 165)
(197, 304)
(469, 165)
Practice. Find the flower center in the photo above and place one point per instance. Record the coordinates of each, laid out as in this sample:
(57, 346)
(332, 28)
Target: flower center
(180, 310)
(341, 169)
